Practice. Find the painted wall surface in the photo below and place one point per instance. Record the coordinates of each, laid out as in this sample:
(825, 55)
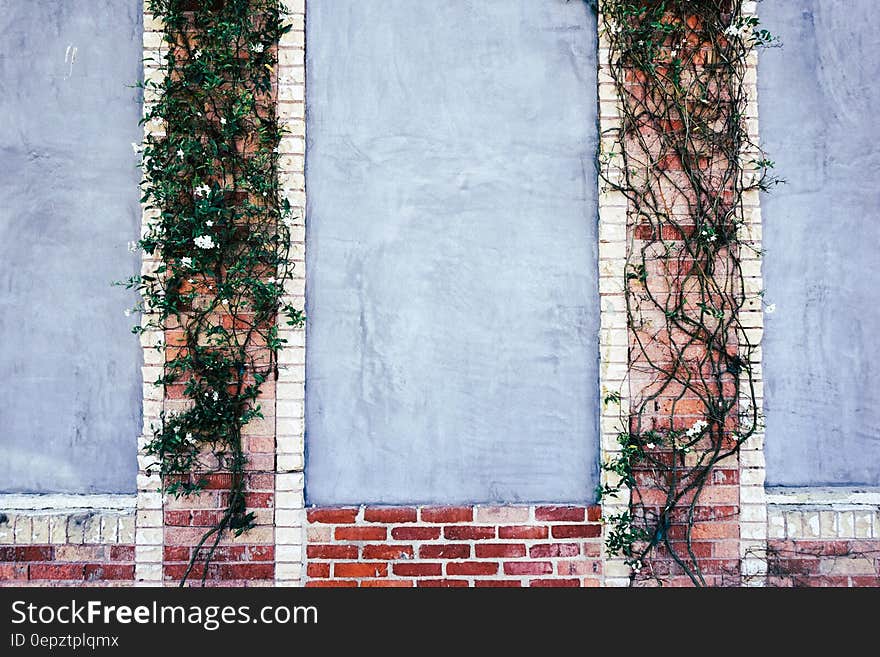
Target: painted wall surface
(818, 102)
(70, 403)
(452, 259)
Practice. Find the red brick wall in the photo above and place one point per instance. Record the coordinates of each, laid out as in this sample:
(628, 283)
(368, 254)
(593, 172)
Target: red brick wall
(455, 546)
(66, 565)
(828, 562)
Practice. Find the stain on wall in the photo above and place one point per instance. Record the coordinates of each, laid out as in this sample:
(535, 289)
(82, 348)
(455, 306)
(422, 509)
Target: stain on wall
(818, 102)
(70, 403)
(452, 259)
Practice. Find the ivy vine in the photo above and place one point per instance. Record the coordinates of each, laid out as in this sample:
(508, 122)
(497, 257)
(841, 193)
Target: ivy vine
(222, 237)
(684, 161)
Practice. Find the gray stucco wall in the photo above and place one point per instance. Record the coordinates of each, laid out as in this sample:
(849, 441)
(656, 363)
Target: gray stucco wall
(70, 403)
(452, 251)
(819, 98)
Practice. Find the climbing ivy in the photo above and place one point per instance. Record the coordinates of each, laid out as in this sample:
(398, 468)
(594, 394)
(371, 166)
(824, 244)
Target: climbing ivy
(221, 235)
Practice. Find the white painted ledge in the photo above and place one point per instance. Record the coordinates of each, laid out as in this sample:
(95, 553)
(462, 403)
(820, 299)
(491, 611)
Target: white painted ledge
(61, 502)
(824, 496)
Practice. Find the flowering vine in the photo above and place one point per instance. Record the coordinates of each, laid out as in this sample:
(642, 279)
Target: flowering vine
(683, 162)
(221, 234)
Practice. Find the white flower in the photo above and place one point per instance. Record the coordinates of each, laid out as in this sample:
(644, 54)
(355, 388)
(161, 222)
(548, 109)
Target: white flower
(197, 53)
(209, 223)
(697, 428)
(742, 30)
(216, 396)
(650, 445)
(222, 121)
(180, 152)
(204, 242)
(202, 190)
(258, 48)
(186, 261)
(770, 308)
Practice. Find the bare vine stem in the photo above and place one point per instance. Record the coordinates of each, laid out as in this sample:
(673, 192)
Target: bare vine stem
(678, 67)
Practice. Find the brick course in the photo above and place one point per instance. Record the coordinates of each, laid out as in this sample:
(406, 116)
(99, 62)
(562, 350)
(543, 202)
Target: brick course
(455, 546)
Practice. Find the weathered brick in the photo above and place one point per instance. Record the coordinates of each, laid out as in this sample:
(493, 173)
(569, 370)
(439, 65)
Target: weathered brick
(332, 516)
(415, 533)
(490, 550)
(361, 533)
(447, 514)
(528, 567)
(468, 533)
(471, 568)
(374, 569)
(390, 514)
(560, 513)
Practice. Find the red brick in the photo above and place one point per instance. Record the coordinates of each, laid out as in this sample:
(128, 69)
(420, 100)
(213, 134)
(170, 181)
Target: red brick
(594, 513)
(417, 569)
(554, 583)
(447, 514)
(497, 583)
(122, 553)
(204, 518)
(546, 550)
(26, 553)
(518, 531)
(176, 553)
(259, 500)
(390, 514)
(471, 568)
(556, 513)
(444, 551)
(13, 571)
(261, 482)
(332, 551)
(318, 570)
(466, 533)
(442, 583)
(528, 568)
(576, 531)
(388, 551)
(588, 567)
(216, 481)
(178, 518)
(56, 571)
(331, 583)
(388, 583)
(415, 533)
(361, 533)
(489, 550)
(375, 569)
(94, 572)
(255, 570)
(333, 516)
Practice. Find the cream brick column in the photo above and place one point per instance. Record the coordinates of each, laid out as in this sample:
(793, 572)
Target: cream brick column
(613, 333)
(753, 504)
(290, 391)
(148, 518)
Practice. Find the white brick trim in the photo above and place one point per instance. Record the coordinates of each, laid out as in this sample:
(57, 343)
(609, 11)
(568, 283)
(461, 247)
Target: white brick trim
(290, 386)
(149, 525)
(613, 330)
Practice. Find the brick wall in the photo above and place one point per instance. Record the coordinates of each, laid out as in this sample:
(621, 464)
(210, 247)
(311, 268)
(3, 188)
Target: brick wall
(468, 546)
(813, 542)
(84, 547)
(822, 541)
